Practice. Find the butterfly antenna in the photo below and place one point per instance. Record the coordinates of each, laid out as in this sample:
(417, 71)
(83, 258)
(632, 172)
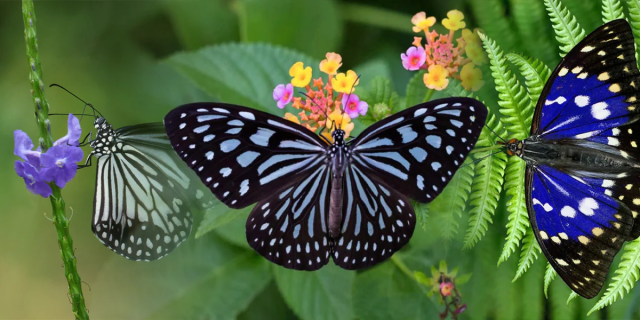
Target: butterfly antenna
(85, 103)
(474, 161)
(497, 135)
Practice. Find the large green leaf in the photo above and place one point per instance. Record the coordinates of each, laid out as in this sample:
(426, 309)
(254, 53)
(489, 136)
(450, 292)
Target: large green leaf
(386, 293)
(312, 27)
(320, 295)
(243, 74)
(220, 216)
(416, 90)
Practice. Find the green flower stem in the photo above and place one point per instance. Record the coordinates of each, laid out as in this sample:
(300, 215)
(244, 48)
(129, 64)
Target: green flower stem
(377, 17)
(428, 95)
(57, 203)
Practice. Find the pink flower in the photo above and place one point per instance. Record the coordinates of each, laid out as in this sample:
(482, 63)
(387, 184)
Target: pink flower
(283, 95)
(414, 58)
(353, 106)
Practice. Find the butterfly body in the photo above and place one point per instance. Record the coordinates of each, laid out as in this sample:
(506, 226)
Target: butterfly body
(104, 142)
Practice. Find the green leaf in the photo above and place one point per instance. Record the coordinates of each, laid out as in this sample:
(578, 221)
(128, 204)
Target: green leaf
(451, 203)
(549, 275)
(535, 73)
(234, 231)
(530, 19)
(516, 206)
(612, 10)
(568, 30)
(442, 266)
(201, 23)
(416, 90)
(491, 18)
(268, 304)
(627, 273)
(572, 296)
(219, 216)
(634, 21)
(455, 89)
(462, 279)
(243, 74)
(371, 69)
(487, 184)
(385, 293)
(422, 213)
(422, 278)
(528, 254)
(320, 295)
(312, 27)
(514, 102)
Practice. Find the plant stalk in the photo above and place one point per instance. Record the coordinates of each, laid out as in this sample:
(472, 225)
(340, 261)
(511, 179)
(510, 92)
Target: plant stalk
(57, 203)
(428, 95)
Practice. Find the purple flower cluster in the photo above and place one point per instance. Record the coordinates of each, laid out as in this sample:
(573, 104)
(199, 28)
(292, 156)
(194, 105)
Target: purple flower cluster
(57, 164)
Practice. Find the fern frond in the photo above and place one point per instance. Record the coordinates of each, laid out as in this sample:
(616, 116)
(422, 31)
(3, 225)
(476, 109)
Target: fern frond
(491, 17)
(572, 296)
(549, 275)
(516, 206)
(568, 30)
(612, 10)
(514, 102)
(530, 19)
(529, 253)
(455, 89)
(634, 21)
(452, 200)
(487, 184)
(535, 73)
(627, 274)
(422, 213)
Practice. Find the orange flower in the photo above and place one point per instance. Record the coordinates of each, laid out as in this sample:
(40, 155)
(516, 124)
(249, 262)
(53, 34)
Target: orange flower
(421, 22)
(436, 78)
(331, 64)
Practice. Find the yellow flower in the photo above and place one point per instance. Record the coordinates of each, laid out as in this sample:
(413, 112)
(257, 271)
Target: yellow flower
(470, 37)
(331, 64)
(341, 120)
(291, 117)
(471, 77)
(421, 22)
(454, 21)
(475, 53)
(436, 78)
(301, 75)
(344, 83)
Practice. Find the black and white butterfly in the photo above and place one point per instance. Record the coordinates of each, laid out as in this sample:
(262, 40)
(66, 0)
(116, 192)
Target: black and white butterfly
(144, 195)
(348, 200)
(583, 170)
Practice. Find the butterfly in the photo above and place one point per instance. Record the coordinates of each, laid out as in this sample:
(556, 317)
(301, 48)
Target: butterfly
(582, 161)
(317, 198)
(144, 195)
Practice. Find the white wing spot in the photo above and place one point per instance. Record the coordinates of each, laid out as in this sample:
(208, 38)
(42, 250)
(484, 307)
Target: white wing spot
(582, 101)
(587, 205)
(247, 115)
(568, 212)
(434, 141)
(600, 111)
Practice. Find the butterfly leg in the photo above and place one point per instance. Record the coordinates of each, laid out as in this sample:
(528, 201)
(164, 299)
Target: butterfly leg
(88, 162)
(84, 141)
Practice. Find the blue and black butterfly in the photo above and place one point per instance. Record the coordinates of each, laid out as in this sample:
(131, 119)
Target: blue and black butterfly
(316, 199)
(583, 164)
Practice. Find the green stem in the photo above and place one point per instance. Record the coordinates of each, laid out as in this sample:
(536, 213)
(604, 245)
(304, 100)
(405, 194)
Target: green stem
(403, 267)
(427, 96)
(497, 146)
(377, 17)
(57, 203)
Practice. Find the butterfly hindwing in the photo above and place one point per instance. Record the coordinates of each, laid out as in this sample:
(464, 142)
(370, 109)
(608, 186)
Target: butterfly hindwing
(241, 154)
(418, 150)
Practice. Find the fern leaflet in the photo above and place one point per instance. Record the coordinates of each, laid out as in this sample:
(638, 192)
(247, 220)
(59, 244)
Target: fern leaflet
(568, 30)
(572, 296)
(549, 275)
(634, 21)
(535, 73)
(611, 10)
(516, 206)
(528, 255)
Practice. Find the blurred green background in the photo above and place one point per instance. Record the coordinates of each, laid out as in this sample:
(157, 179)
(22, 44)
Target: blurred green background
(112, 54)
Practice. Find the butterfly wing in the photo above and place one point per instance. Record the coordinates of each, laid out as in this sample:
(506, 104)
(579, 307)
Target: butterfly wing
(243, 155)
(144, 195)
(579, 228)
(417, 151)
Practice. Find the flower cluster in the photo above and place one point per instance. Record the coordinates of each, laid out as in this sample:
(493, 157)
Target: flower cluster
(57, 164)
(445, 283)
(441, 57)
(323, 105)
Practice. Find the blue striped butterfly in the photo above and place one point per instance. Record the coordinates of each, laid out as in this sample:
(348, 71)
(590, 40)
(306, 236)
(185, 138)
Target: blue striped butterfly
(316, 199)
(582, 162)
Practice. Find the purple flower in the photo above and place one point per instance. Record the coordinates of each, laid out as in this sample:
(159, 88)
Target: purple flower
(414, 58)
(24, 148)
(353, 106)
(461, 309)
(283, 95)
(73, 132)
(32, 178)
(59, 164)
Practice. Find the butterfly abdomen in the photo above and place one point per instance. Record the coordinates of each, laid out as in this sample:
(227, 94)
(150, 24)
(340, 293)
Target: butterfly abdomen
(335, 209)
(576, 157)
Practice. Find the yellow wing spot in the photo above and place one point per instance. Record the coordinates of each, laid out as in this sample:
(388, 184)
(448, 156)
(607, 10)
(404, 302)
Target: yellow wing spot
(608, 192)
(616, 224)
(580, 283)
(580, 253)
(603, 76)
(618, 216)
(597, 231)
(604, 62)
(587, 48)
(615, 88)
(588, 279)
(562, 262)
(544, 235)
(630, 131)
(621, 198)
(563, 236)
(632, 99)
(631, 108)
(596, 262)
(555, 239)
(603, 252)
(624, 154)
(576, 70)
(601, 53)
(576, 261)
(628, 187)
(583, 75)
(592, 271)
(621, 57)
(584, 240)
(614, 239)
(636, 201)
(619, 47)
(633, 84)
(626, 69)
(634, 144)
(563, 72)
(634, 213)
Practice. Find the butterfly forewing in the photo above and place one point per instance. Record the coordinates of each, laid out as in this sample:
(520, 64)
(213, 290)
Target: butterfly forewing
(418, 150)
(240, 154)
